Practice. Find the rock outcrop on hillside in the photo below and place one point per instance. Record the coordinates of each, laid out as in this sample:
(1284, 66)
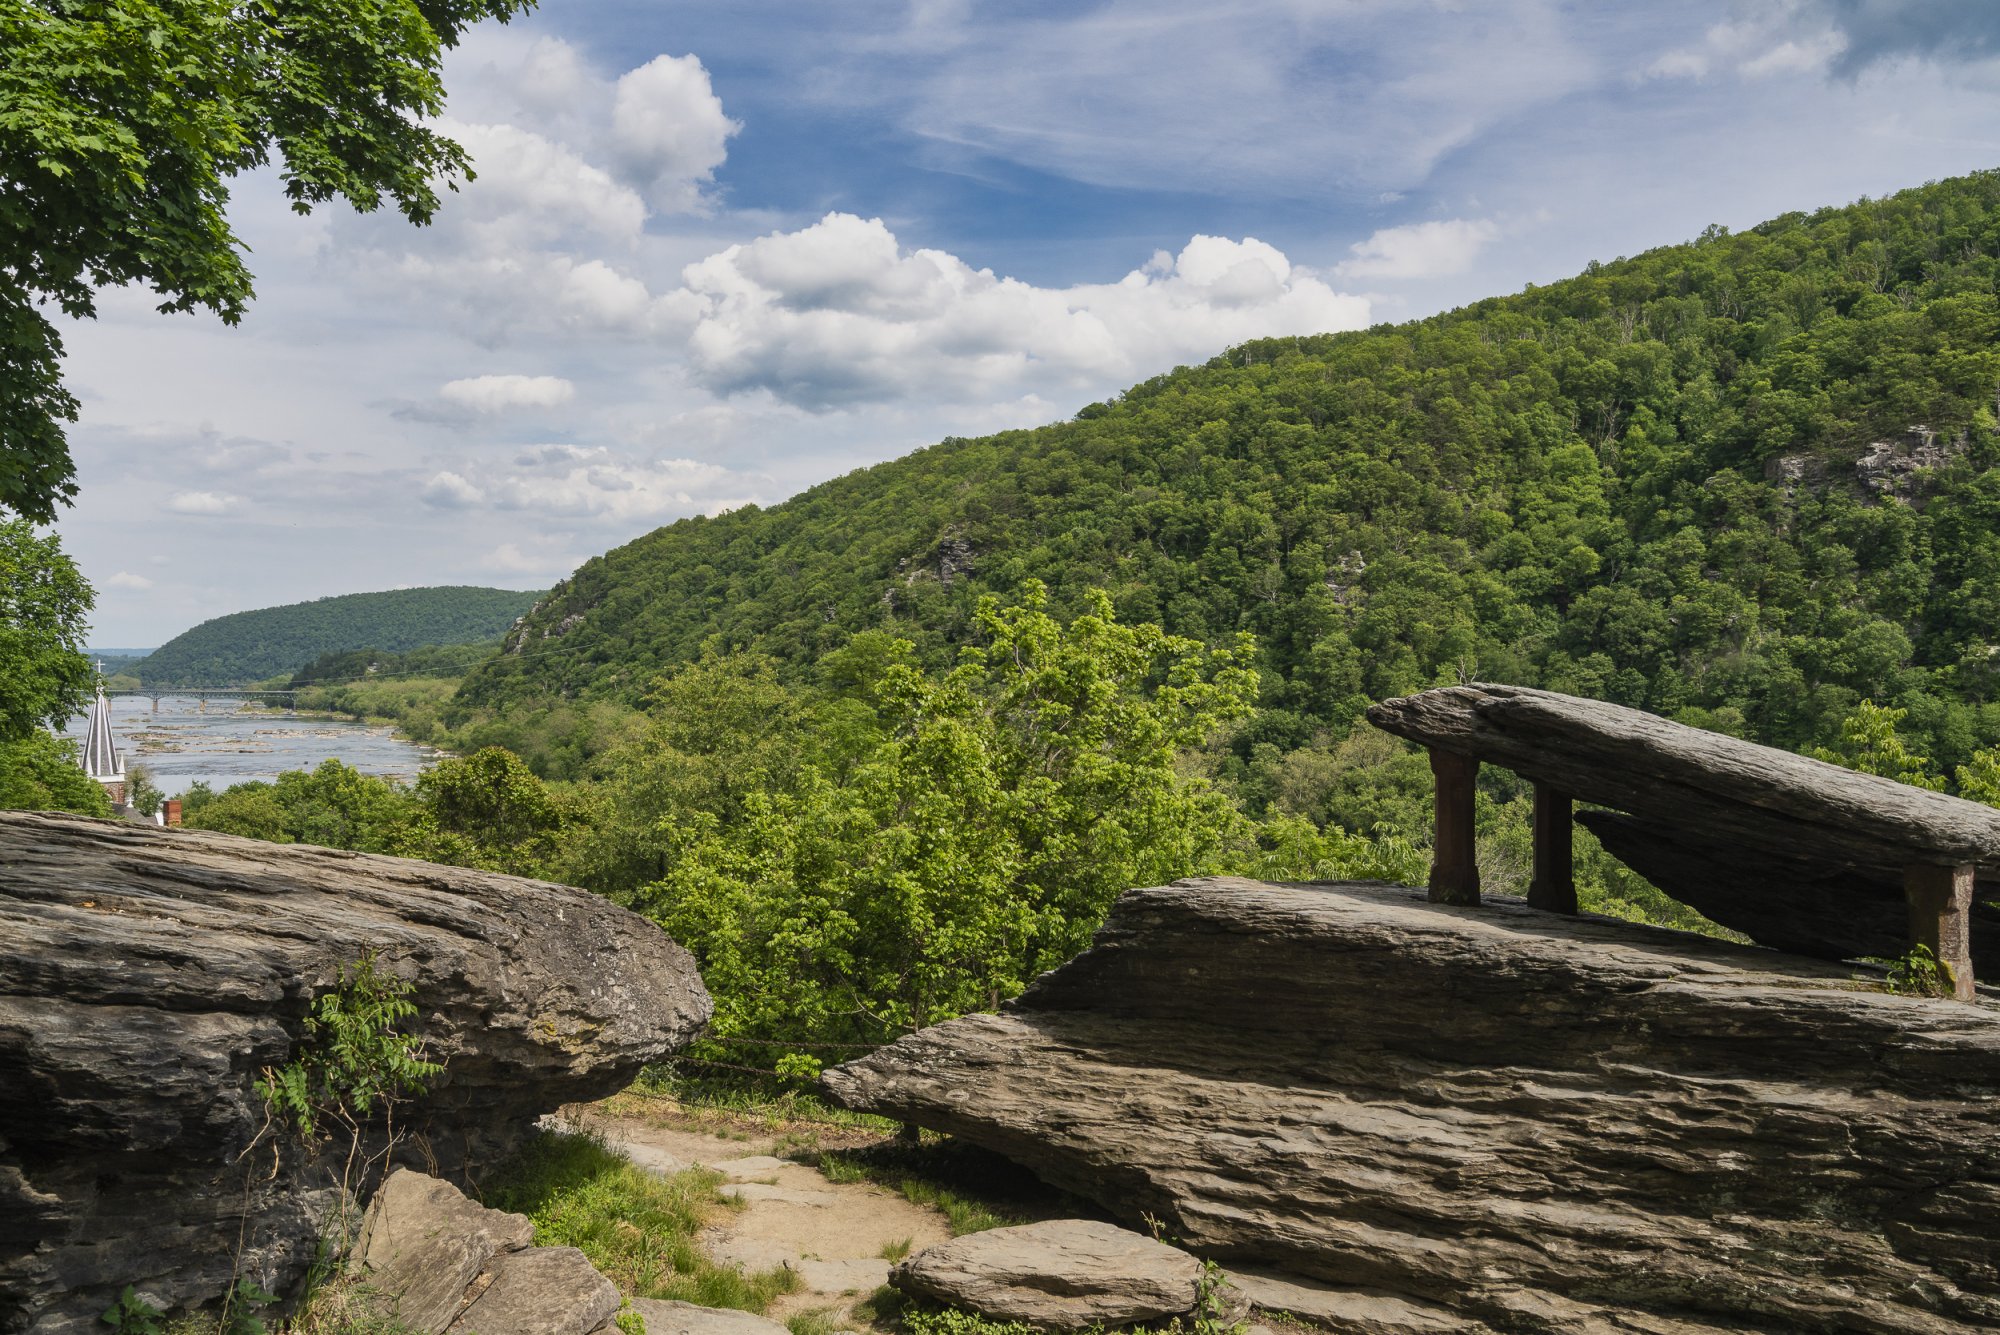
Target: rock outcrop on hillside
(147, 977)
(1494, 1117)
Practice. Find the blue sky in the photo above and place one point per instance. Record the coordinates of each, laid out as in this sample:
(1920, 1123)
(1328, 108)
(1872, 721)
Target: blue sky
(720, 250)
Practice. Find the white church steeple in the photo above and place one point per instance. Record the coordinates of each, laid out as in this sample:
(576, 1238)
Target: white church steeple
(101, 759)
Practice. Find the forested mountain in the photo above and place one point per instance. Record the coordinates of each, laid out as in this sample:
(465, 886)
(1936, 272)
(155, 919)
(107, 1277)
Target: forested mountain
(250, 646)
(1746, 480)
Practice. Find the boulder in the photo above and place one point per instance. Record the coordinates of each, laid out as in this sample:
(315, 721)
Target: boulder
(423, 1242)
(147, 977)
(540, 1291)
(1494, 1116)
(1060, 1274)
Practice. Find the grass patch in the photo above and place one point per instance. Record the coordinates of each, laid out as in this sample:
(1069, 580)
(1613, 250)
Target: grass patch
(880, 1308)
(961, 1215)
(346, 1306)
(896, 1251)
(638, 1228)
(793, 1122)
(928, 1320)
(842, 1168)
(775, 1106)
(814, 1321)
(342, 1305)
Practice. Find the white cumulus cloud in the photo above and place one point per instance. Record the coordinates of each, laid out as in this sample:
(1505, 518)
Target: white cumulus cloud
(202, 503)
(447, 490)
(840, 313)
(504, 393)
(1419, 250)
(125, 579)
(593, 482)
(668, 126)
(535, 190)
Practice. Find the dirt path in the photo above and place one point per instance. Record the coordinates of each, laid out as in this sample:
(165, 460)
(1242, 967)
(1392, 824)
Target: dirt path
(838, 1236)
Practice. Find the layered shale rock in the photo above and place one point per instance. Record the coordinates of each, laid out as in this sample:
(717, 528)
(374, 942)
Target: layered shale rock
(1494, 1117)
(148, 976)
(1059, 1274)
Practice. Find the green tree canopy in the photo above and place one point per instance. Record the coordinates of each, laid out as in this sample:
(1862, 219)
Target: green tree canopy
(121, 122)
(44, 678)
(244, 647)
(976, 841)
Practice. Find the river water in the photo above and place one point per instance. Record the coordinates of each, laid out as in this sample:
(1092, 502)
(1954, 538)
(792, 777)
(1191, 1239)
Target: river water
(223, 743)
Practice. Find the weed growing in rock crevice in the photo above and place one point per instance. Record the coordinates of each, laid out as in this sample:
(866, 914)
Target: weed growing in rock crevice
(355, 1056)
(1919, 973)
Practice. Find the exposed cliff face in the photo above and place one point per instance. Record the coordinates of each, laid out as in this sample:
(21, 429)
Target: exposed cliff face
(1499, 1117)
(1899, 470)
(147, 976)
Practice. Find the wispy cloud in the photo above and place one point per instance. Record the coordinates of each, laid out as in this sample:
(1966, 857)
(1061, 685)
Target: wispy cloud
(1178, 94)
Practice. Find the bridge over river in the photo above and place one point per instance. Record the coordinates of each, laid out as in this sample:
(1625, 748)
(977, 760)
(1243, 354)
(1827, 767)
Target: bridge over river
(204, 694)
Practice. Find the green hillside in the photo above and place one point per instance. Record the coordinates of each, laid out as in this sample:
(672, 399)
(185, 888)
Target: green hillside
(1692, 481)
(250, 646)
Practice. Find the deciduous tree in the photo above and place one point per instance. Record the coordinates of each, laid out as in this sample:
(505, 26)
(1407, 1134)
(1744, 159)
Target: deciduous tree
(44, 678)
(121, 124)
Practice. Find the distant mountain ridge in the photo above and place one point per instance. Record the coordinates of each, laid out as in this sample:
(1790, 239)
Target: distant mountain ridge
(1753, 473)
(250, 646)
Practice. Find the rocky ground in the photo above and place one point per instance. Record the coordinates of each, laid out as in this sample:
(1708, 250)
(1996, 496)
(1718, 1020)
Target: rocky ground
(840, 1237)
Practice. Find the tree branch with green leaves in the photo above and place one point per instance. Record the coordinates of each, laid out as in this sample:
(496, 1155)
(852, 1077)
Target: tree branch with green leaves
(121, 124)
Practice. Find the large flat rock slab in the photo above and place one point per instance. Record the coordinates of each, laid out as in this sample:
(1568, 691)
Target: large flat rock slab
(1705, 784)
(663, 1317)
(1494, 1115)
(147, 976)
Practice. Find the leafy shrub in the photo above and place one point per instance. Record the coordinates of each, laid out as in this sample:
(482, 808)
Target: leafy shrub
(355, 1056)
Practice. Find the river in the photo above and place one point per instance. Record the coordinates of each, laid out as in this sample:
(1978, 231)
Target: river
(184, 743)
